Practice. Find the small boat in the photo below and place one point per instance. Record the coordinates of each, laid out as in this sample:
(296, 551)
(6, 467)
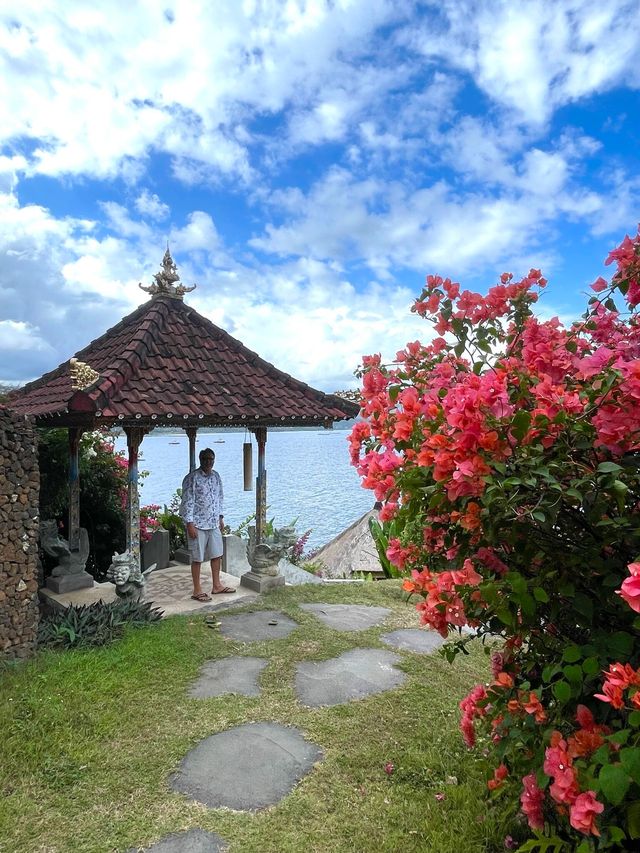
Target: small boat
(174, 442)
(218, 441)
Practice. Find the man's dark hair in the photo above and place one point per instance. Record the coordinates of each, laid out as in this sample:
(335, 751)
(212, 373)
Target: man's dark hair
(206, 450)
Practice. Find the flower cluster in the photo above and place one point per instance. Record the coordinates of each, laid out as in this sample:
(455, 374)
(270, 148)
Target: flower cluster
(505, 452)
(149, 521)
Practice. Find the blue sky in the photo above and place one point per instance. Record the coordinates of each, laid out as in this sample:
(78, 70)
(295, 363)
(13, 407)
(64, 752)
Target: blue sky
(309, 162)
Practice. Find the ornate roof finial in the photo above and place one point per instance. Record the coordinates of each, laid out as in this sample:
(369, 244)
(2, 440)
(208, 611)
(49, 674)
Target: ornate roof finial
(166, 282)
(82, 375)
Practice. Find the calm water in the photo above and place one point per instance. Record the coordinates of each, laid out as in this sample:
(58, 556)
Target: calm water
(309, 477)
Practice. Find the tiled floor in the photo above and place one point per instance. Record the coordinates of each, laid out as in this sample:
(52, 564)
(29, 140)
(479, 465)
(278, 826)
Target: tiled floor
(169, 589)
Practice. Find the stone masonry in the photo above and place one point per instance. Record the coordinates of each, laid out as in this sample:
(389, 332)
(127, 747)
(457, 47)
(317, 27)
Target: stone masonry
(19, 492)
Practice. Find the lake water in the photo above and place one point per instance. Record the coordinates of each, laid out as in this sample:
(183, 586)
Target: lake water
(309, 477)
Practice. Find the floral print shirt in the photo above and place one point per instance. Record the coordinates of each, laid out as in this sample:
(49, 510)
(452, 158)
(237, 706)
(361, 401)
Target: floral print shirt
(202, 499)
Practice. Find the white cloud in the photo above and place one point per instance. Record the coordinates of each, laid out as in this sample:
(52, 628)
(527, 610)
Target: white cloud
(531, 56)
(148, 204)
(18, 336)
(99, 87)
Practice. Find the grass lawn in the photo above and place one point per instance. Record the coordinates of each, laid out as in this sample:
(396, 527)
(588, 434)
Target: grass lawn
(89, 738)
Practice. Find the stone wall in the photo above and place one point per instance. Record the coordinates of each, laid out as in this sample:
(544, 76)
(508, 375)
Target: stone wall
(19, 491)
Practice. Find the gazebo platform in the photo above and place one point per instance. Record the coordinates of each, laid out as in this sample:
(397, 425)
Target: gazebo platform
(169, 589)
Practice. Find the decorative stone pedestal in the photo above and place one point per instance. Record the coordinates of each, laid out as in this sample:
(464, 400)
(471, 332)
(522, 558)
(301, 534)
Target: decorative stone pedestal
(67, 583)
(181, 555)
(156, 550)
(261, 583)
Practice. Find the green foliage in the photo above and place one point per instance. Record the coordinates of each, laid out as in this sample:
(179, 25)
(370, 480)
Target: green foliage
(544, 844)
(102, 492)
(314, 567)
(94, 624)
(170, 519)
(381, 535)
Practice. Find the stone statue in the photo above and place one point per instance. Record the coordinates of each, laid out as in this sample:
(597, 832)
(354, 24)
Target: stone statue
(69, 562)
(264, 557)
(126, 574)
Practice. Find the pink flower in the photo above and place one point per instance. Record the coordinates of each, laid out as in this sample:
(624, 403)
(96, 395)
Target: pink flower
(599, 285)
(389, 768)
(531, 800)
(630, 589)
(583, 811)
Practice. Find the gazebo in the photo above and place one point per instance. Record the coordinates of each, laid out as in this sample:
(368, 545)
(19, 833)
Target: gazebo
(165, 365)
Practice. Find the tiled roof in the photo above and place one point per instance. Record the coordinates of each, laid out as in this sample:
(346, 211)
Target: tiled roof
(165, 363)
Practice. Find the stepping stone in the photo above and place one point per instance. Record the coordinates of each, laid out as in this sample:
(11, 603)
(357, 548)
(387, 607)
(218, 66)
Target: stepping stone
(229, 675)
(418, 640)
(247, 767)
(193, 841)
(254, 627)
(352, 675)
(348, 617)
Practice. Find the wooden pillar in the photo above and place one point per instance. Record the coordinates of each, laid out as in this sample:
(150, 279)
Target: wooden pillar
(261, 484)
(191, 435)
(74, 487)
(134, 439)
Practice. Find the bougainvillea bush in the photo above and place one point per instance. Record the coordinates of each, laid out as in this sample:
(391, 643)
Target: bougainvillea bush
(103, 493)
(506, 454)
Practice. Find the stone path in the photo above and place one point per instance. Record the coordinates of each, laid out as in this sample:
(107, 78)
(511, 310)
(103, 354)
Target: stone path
(353, 675)
(252, 766)
(348, 617)
(415, 640)
(229, 675)
(258, 626)
(248, 767)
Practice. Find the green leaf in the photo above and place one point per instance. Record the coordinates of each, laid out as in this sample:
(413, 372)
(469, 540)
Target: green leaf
(572, 654)
(520, 424)
(591, 666)
(608, 468)
(601, 755)
(633, 819)
(573, 673)
(562, 691)
(539, 516)
(540, 595)
(614, 783)
(630, 759)
(634, 718)
(616, 834)
(550, 672)
(620, 644)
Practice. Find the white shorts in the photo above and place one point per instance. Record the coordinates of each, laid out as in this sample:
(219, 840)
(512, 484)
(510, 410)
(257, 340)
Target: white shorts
(206, 546)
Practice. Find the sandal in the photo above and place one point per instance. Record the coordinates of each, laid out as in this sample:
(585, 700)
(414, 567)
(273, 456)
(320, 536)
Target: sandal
(201, 596)
(223, 591)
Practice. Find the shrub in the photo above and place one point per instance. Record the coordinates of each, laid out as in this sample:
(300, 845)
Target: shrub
(103, 481)
(506, 455)
(94, 624)
(171, 521)
(103, 494)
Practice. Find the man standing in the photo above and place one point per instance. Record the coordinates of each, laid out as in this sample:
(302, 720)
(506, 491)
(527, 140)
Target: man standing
(201, 511)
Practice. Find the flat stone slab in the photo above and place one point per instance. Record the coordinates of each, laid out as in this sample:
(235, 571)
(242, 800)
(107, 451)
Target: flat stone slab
(254, 627)
(229, 675)
(352, 675)
(418, 640)
(193, 841)
(348, 617)
(247, 767)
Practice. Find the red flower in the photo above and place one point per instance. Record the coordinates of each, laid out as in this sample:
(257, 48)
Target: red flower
(583, 811)
(531, 801)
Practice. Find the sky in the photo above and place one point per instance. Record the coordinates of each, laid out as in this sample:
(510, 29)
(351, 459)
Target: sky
(308, 162)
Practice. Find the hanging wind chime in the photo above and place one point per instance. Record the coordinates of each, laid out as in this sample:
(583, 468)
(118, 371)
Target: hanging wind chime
(247, 463)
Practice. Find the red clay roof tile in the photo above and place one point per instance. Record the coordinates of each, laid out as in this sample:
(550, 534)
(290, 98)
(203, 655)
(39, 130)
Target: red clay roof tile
(165, 359)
